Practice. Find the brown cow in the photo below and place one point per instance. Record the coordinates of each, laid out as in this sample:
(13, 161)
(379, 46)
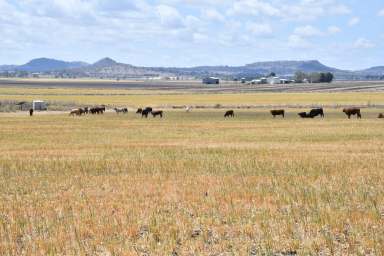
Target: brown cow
(157, 113)
(76, 112)
(381, 115)
(351, 112)
(279, 112)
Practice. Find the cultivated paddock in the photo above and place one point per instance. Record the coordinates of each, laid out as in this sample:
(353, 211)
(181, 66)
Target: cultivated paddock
(193, 183)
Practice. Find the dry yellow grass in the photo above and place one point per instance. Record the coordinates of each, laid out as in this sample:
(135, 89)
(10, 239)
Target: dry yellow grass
(192, 183)
(166, 98)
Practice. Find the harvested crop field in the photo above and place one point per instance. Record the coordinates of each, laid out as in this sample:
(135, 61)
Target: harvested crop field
(193, 183)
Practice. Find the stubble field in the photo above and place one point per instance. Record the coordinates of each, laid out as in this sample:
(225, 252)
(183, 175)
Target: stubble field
(192, 184)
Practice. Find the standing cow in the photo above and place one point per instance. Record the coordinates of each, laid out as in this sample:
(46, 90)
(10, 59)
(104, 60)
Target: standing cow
(352, 111)
(279, 112)
(316, 112)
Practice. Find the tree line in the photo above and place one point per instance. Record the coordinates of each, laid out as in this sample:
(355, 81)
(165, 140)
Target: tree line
(314, 77)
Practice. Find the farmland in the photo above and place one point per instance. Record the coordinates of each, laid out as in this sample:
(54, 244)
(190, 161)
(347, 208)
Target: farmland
(191, 183)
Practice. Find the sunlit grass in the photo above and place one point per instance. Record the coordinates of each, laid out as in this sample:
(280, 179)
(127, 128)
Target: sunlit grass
(192, 183)
(165, 98)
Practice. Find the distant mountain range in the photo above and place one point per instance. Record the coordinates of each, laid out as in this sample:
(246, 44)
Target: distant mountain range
(109, 68)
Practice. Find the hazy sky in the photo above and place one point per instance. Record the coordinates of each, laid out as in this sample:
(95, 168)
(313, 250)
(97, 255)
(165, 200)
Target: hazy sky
(347, 34)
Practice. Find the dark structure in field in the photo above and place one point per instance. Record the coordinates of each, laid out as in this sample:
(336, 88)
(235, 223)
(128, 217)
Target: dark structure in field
(211, 80)
(352, 111)
(279, 112)
(229, 113)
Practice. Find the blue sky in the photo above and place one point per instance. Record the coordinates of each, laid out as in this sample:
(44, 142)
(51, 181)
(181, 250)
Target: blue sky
(339, 33)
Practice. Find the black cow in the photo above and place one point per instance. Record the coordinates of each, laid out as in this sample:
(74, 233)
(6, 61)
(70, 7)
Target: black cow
(279, 112)
(304, 115)
(145, 113)
(149, 109)
(229, 113)
(316, 112)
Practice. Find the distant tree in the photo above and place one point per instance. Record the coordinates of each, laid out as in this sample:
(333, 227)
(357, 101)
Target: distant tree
(328, 77)
(315, 77)
(299, 77)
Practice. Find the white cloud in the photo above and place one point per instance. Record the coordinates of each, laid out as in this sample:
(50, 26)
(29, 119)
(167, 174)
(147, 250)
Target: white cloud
(363, 43)
(254, 7)
(307, 31)
(259, 29)
(169, 16)
(333, 30)
(213, 14)
(296, 41)
(381, 13)
(353, 21)
(313, 9)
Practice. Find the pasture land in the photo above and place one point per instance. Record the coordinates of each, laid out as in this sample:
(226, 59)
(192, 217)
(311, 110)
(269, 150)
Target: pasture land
(192, 183)
(65, 98)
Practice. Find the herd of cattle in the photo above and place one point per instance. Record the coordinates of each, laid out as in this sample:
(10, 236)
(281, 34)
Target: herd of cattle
(144, 112)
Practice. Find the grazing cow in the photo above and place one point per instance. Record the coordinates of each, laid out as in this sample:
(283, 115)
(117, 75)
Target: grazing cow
(121, 110)
(149, 109)
(352, 111)
(31, 112)
(188, 109)
(157, 113)
(279, 112)
(76, 112)
(86, 110)
(304, 115)
(381, 115)
(229, 113)
(316, 112)
(139, 111)
(97, 110)
(145, 113)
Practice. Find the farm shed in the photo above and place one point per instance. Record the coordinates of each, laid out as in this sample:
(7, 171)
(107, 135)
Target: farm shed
(273, 80)
(39, 105)
(211, 80)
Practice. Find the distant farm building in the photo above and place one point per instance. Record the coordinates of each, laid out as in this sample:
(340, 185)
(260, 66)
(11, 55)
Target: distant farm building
(211, 80)
(39, 105)
(273, 80)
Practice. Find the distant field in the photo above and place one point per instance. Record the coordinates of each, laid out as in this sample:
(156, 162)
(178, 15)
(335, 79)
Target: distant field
(174, 96)
(191, 183)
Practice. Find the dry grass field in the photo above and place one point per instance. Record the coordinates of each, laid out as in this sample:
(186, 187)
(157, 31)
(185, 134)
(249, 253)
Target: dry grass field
(58, 97)
(191, 184)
